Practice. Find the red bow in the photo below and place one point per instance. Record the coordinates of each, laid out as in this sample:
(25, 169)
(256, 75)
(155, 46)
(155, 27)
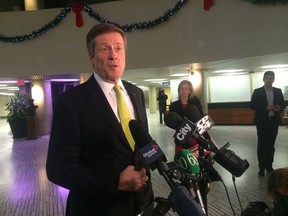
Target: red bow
(77, 8)
(208, 4)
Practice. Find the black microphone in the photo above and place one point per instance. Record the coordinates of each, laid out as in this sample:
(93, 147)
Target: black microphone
(184, 130)
(150, 152)
(203, 123)
(142, 139)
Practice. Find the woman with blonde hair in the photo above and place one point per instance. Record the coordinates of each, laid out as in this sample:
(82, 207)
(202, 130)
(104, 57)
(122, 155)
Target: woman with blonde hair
(185, 97)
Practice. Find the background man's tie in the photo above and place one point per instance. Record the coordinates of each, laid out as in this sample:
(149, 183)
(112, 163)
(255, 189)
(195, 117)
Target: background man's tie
(124, 115)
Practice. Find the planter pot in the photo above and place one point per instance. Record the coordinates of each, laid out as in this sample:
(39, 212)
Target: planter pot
(18, 128)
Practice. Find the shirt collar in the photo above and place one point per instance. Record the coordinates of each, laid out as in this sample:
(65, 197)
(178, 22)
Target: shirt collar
(268, 88)
(106, 86)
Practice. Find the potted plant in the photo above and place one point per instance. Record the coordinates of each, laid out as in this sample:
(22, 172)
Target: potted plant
(18, 108)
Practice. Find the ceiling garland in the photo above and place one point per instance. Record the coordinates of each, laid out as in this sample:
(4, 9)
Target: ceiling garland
(77, 9)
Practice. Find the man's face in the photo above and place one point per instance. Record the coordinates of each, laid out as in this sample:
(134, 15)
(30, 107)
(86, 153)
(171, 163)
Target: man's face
(268, 80)
(108, 60)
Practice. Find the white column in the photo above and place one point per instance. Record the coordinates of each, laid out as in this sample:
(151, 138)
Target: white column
(152, 99)
(41, 93)
(196, 78)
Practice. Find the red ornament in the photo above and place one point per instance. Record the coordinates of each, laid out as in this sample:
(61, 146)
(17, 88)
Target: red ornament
(77, 8)
(208, 4)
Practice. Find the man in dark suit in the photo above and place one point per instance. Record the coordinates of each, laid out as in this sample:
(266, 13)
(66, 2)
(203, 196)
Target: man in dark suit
(162, 98)
(88, 152)
(268, 102)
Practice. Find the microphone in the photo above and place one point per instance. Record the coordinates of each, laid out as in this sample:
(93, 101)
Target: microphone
(183, 203)
(226, 158)
(186, 160)
(203, 123)
(150, 152)
(189, 163)
(184, 130)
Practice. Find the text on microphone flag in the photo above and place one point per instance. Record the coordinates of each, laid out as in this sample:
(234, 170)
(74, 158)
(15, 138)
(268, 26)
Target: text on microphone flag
(187, 161)
(183, 134)
(204, 124)
(151, 152)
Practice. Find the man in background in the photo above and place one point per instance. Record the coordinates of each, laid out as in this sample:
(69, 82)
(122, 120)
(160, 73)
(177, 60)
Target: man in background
(268, 102)
(162, 98)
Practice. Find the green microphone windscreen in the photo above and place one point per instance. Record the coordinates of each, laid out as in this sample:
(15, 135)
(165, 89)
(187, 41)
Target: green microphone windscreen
(187, 161)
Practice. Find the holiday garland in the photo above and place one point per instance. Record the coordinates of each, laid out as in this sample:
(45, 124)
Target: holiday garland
(267, 1)
(64, 12)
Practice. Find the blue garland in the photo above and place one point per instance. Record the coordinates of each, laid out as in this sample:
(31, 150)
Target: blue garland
(60, 17)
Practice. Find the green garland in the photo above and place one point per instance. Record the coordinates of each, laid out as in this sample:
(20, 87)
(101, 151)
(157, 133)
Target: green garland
(272, 2)
(60, 17)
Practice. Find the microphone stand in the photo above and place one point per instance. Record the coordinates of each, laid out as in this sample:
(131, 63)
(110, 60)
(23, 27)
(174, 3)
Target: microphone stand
(191, 183)
(204, 180)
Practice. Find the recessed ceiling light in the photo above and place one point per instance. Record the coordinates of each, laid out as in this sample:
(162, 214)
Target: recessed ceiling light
(8, 81)
(154, 80)
(64, 80)
(180, 74)
(234, 74)
(275, 66)
(12, 88)
(228, 71)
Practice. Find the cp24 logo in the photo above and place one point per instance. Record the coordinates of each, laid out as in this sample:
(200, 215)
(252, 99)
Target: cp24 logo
(204, 124)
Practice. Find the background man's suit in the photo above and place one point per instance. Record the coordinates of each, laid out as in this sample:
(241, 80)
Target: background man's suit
(84, 117)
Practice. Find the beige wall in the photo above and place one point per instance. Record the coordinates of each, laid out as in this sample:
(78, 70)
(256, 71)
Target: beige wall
(231, 29)
(3, 100)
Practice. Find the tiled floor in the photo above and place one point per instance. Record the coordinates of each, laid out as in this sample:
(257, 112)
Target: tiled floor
(25, 190)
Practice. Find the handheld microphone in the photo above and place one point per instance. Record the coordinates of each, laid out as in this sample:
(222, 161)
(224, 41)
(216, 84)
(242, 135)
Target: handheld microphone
(150, 152)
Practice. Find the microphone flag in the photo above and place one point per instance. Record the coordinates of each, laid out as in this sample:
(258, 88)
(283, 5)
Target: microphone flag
(186, 160)
(151, 152)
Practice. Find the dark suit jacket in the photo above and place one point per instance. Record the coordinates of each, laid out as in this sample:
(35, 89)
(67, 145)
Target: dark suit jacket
(88, 150)
(259, 104)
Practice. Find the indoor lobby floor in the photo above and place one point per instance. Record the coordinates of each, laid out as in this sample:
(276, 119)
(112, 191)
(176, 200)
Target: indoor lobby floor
(25, 190)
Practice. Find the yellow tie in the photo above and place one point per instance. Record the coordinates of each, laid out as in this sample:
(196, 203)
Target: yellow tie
(124, 115)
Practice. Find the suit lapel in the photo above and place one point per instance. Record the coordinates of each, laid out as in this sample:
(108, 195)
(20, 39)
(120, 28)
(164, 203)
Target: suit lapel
(96, 97)
(264, 95)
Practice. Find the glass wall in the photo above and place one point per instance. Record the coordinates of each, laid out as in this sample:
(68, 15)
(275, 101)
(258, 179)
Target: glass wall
(240, 88)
